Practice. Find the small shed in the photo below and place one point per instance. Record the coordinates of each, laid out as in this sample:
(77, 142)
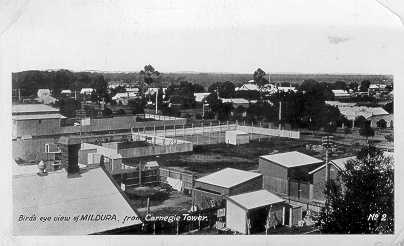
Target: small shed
(251, 212)
(237, 137)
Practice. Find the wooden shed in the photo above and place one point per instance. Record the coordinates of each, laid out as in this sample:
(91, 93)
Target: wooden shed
(287, 173)
(209, 191)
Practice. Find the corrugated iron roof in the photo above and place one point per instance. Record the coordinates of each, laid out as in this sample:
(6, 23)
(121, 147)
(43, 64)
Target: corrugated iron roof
(32, 108)
(256, 199)
(291, 159)
(91, 193)
(228, 177)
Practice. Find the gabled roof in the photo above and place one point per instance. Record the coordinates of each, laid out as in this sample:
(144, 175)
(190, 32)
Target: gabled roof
(228, 177)
(291, 159)
(256, 199)
(338, 163)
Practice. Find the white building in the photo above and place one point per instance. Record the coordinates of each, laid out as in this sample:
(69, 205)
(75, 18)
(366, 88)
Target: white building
(200, 96)
(236, 137)
(43, 93)
(286, 89)
(250, 212)
(340, 93)
(86, 91)
(66, 92)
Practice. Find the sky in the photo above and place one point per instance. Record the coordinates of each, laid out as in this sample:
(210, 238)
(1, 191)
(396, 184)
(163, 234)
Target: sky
(204, 36)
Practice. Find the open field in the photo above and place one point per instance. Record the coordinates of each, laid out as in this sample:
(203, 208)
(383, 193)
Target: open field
(206, 159)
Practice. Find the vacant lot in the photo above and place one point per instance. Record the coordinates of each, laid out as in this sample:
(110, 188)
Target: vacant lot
(209, 158)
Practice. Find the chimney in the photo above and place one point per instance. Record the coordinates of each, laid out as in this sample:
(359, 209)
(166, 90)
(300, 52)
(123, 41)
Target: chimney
(70, 147)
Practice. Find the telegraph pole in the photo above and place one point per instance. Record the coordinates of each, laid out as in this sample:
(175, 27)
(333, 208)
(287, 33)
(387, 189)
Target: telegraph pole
(327, 143)
(280, 115)
(157, 92)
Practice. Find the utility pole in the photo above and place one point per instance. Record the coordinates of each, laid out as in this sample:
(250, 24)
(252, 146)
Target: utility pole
(157, 93)
(280, 115)
(327, 143)
(203, 110)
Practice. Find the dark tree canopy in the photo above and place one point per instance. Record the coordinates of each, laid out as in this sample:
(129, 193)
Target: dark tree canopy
(340, 85)
(225, 89)
(364, 87)
(366, 131)
(150, 74)
(106, 112)
(181, 93)
(368, 189)
(137, 106)
(381, 123)
(260, 77)
(68, 107)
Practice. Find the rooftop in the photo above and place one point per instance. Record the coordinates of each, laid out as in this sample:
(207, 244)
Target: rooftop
(32, 108)
(340, 163)
(228, 177)
(91, 193)
(256, 199)
(37, 116)
(235, 100)
(291, 159)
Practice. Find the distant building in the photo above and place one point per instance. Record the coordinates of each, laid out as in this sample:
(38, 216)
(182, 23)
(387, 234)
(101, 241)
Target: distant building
(388, 118)
(124, 97)
(236, 137)
(252, 86)
(43, 93)
(286, 89)
(86, 91)
(152, 91)
(351, 111)
(66, 92)
(237, 102)
(34, 118)
(377, 88)
(44, 96)
(201, 96)
(209, 191)
(340, 94)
